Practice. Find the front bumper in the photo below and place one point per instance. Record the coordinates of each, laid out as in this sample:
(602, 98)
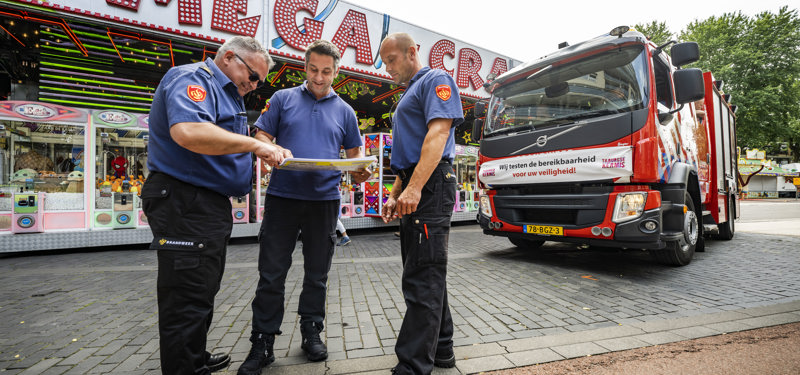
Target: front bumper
(577, 214)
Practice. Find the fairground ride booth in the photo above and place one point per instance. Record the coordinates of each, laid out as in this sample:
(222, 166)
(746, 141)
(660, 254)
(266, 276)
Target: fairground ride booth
(51, 193)
(101, 61)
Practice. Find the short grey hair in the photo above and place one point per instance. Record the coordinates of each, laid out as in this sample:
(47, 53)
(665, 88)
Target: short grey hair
(246, 44)
(326, 48)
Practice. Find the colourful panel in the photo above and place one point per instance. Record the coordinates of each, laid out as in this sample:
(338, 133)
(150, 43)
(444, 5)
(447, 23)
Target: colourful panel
(372, 188)
(387, 188)
(371, 141)
(372, 205)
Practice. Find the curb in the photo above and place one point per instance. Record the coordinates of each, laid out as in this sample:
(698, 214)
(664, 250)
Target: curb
(507, 354)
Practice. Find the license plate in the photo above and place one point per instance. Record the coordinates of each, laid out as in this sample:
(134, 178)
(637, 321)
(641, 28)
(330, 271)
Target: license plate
(544, 230)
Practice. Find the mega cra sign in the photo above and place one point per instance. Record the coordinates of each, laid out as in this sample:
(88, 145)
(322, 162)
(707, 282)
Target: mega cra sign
(287, 26)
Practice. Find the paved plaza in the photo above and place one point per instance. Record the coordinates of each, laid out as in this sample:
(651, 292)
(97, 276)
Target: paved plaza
(95, 311)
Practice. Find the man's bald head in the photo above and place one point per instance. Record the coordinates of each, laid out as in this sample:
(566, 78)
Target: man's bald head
(399, 54)
(401, 41)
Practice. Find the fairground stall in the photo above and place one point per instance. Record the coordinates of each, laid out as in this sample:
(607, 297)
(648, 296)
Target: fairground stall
(763, 178)
(77, 78)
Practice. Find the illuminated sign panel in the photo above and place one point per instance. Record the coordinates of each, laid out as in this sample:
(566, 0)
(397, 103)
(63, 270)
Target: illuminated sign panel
(287, 26)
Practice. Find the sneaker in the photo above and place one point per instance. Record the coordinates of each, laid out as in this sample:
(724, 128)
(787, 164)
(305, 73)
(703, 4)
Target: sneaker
(260, 356)
(445, 358)
(344, 241)
(313, 346)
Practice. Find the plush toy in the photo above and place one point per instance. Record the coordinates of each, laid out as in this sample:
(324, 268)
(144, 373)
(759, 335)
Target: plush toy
(75, 180)
(119, 164)
(33, 160)
(116, 186)
(24, 174)
(78, 161)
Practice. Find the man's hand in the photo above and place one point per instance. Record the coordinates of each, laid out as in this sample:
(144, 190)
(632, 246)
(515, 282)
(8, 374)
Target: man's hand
(270, 153)
(389, 212)
(361, 175)
(407, 201)
(286, 153)
(272, 159)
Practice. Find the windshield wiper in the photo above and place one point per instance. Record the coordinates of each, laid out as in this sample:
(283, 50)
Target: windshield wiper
(513, 129)
(601, 112)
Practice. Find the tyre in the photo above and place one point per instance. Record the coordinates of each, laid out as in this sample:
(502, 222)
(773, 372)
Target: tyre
(727, 229)
(526, 244)
(680, 252)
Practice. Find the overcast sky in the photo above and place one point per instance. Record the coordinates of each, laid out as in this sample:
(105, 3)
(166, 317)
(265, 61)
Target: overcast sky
(525, 30)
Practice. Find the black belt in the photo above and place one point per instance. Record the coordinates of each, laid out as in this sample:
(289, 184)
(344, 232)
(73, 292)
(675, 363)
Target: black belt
(405, 174)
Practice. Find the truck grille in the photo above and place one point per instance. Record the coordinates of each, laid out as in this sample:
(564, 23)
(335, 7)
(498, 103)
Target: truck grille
(569, 205)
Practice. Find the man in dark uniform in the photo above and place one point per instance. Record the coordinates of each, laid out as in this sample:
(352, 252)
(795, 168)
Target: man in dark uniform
(314, 122)
(423, 196)
(199, 155)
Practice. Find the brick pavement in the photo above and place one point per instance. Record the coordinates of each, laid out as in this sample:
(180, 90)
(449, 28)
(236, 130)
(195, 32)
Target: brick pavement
(95, 311)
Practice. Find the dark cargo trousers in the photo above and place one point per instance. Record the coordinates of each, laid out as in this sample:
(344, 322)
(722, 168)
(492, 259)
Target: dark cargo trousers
(427, 325)
(191, 227)
(283, 219)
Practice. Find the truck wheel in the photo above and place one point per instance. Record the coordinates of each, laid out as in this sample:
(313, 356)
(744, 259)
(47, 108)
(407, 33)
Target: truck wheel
(680, 252)
(526, 244)
(727, 228)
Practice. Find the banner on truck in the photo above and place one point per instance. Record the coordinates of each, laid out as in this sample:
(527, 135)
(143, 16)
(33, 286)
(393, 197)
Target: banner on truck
(562, 166)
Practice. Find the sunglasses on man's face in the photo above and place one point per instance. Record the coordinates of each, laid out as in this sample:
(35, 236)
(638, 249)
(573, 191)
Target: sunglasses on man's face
(253, 75)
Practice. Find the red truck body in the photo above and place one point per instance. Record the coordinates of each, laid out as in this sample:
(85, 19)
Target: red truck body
(608, 142)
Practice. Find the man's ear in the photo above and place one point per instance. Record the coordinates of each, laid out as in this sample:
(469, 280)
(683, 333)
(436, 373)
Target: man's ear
(228, 56)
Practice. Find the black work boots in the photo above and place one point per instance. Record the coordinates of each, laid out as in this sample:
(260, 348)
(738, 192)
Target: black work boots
(260, 355)
(313, 346)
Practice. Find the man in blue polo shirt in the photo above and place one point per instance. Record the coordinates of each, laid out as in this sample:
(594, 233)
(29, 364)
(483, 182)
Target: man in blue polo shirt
(313, 122)
(423, 196)
(199, 155)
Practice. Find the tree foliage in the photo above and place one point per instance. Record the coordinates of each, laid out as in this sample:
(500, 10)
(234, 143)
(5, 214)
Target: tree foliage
(758, 58)
(655, 31)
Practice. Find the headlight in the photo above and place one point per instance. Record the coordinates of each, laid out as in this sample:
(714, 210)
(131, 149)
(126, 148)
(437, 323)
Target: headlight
(629, 206)
(486, 206)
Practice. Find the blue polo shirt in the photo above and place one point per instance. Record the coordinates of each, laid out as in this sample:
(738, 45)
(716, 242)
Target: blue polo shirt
(431, 94)
(310, 128)
(199, 92)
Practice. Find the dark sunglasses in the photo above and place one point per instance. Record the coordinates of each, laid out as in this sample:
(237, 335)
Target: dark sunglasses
(253, 75)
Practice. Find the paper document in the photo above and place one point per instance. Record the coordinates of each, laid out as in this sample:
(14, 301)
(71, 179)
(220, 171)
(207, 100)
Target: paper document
(300, 164)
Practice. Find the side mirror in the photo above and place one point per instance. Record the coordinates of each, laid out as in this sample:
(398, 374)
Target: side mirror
(665, 117)
(480, 109)
(688, 85)
(685, 53)
(477, 129)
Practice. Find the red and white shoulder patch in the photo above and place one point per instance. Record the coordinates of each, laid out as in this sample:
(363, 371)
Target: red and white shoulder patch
(443, 92)
(196, 93)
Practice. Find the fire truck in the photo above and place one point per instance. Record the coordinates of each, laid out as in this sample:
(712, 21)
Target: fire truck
(609, 143)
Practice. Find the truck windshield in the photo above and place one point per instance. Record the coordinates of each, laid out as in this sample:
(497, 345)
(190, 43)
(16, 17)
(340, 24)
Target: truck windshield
(605, 83)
